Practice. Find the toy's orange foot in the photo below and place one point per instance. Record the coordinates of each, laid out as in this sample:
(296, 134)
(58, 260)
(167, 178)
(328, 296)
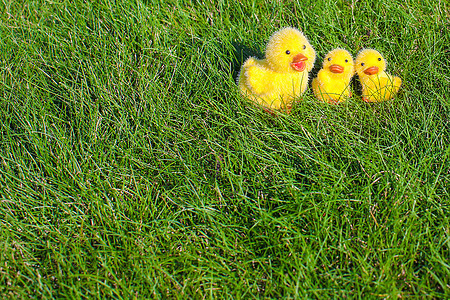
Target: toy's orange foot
(269, 111)
(288, 108)
(332, 101)
(365, 99)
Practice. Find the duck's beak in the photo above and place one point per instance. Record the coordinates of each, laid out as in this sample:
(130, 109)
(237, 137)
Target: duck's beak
(371, 71)
(336, 69)
(298, 62)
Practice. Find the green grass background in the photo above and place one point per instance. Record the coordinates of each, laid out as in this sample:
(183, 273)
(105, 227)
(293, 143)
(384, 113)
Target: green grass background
(130, 166)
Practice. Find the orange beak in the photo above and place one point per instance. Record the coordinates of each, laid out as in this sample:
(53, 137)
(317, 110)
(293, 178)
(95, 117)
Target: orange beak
(371, 71)
(336, 69)
(298, 62)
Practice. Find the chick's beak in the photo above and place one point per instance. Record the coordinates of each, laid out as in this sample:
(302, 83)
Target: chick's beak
(298, 62)
(371, 71)
(336, 69)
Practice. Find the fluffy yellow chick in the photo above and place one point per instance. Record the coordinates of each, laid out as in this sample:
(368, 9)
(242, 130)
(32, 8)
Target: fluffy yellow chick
(332, 83)
(275, 81)
(377, 85)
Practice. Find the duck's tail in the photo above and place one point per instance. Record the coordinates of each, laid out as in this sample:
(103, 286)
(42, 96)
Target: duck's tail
(241, 79)
(397, 83)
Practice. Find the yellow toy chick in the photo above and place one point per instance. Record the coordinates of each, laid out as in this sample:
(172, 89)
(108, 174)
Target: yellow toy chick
(275, 81)
(332, 83)
(377, 85)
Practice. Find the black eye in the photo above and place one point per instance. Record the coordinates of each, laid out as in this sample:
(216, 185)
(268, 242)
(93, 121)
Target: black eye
(304, 47)
(346, 60)
(379, 58)
(329, 58)
(288, 52)
(362, 64)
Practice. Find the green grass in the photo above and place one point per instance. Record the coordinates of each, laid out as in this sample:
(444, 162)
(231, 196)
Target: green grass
(130, 166)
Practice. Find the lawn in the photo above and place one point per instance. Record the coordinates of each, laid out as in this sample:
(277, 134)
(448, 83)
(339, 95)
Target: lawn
(130, 166)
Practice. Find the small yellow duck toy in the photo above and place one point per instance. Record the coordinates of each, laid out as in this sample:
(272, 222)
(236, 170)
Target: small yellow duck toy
(332, 83)
(275, 81)
(377, 85)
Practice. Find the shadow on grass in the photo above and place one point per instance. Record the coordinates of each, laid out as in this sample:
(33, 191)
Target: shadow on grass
(241, 54)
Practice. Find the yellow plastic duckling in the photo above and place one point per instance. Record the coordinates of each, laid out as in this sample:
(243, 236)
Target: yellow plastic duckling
(332, 83)
(275, 81)
(377, 85)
